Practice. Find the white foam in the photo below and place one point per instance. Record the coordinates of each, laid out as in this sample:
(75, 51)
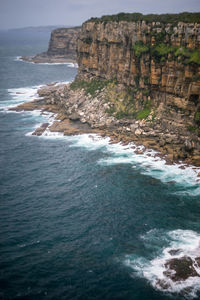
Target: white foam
(89, 141)
(48, 117)
(152, 165)
(21, 95)
(148, 162)
(188, 244)
(18, 96)
(69, 64)
(61, 83)
(18, 58)
(52, 135)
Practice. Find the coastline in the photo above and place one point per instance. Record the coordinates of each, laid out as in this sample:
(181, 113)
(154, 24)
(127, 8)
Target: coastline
(69, 119)
(47, 59)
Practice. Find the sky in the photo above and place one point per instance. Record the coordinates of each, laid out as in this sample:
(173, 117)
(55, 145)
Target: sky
(24, 13)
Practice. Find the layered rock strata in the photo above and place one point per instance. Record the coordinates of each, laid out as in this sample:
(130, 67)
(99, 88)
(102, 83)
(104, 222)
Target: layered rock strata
(160, 65)
(62, 47)
(138, 81)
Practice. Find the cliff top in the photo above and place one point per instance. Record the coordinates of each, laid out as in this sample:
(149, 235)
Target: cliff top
(66, 29)
(186, 17)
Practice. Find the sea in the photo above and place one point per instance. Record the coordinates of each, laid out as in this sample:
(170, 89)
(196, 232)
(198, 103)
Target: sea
(81, 218)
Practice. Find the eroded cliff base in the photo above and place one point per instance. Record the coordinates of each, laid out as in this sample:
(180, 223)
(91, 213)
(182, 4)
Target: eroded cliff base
(107, 108)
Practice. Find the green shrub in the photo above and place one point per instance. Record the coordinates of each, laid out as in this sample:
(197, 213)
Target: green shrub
(87, 40)
(191, 128)
(160, 37)
(139, 48)
(195, 57)
(182, 51)
(196, 77)
(110, 111)
(186, 17)
(146, 80)
(197, 117)
(137, 80)
(92, 87)
(146, 92)
(161, 51)
(143, 114)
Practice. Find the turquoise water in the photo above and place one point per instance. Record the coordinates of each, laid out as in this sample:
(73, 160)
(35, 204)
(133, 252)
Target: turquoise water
(80, 218)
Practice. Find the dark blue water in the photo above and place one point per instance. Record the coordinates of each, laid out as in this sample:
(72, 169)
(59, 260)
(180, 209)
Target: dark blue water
(81, 219)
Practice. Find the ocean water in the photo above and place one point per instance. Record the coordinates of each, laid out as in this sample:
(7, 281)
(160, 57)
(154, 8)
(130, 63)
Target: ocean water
(81, 218)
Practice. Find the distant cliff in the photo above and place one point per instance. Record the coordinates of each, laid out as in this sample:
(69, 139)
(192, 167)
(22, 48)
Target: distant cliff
(62, 47)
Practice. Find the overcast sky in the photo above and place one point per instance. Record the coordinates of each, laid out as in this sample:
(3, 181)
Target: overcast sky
(23, 13)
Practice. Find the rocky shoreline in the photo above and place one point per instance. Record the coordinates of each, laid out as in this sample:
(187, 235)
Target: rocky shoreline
(78, 112)
(44, 58)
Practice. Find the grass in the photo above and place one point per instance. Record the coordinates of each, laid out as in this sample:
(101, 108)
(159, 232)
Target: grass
(92, 87)
(144, 113)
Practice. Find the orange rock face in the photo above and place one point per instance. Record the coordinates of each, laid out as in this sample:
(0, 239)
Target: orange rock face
(105, 50)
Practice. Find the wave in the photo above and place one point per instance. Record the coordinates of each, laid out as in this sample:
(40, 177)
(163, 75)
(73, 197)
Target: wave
(180, 243)
(147, 161)
(18, 96)
(69, 64)
(151, 164)
(18, 58)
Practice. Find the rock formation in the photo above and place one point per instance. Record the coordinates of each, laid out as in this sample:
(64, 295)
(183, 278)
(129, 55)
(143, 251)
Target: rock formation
(159, 65)
(138, 80)
(62, 47)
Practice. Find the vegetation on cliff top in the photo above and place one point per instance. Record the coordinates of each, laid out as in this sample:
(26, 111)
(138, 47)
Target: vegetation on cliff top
(186, 17)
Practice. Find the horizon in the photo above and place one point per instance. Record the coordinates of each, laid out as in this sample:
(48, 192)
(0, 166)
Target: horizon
(54, 26)
(31, 13)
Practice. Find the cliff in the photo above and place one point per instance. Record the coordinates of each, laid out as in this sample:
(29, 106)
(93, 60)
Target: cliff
(138, 80)
(62, 47)
(157, 66)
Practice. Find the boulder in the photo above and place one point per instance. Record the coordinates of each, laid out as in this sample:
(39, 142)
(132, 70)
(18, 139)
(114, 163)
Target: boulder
(180, 268)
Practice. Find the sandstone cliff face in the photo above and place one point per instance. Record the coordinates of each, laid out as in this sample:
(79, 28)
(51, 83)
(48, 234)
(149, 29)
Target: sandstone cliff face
(63, 42)
(106, 51)
(161, 65)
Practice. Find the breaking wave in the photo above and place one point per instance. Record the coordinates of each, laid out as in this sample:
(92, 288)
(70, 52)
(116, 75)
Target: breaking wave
(174, 245)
